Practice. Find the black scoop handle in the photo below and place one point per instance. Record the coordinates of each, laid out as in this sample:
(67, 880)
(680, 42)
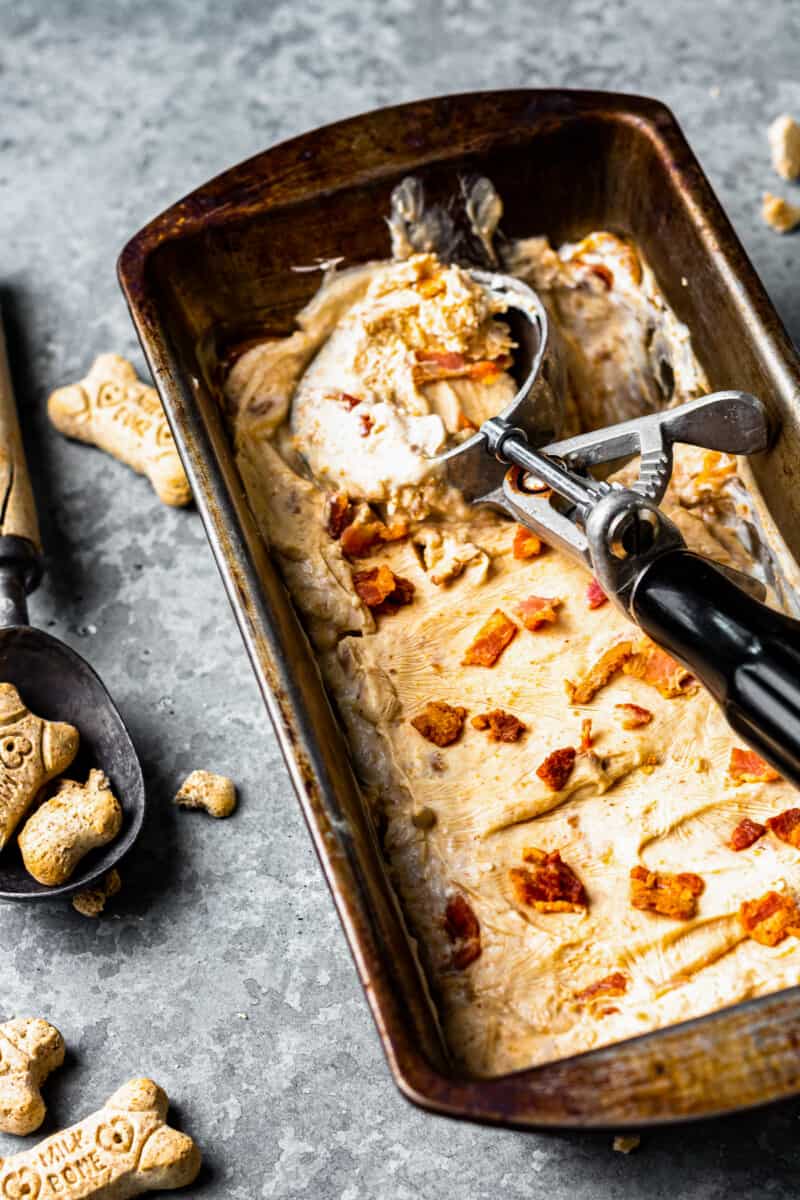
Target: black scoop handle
(747, 655)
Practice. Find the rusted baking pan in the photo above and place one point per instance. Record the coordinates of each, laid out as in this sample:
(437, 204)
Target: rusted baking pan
(216, 269)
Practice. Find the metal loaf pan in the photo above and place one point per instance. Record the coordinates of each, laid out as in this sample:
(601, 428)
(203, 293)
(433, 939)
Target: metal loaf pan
(216, 269)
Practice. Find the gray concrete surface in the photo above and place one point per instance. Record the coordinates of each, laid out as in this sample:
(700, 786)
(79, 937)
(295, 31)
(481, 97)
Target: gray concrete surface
(222, 970)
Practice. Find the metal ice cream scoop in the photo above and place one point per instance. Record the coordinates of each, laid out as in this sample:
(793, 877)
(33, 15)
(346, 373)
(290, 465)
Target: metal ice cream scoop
(706, 615)
(53, 681)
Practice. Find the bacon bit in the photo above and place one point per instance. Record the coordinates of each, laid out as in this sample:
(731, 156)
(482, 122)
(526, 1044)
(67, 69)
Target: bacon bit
(595, 596)
(432, 286)
(490, 641)
(665, 893)
(382, 590)
(633, 716)
(365, 422)
(746, 833)
(615, 984)
(464, 422)
(607, 665)
(526, 544)
(489, 368)
(587, 740)
(432, 365)
(603, 273)
(654, 666)
(557, 768)
(715, 470)
(769, 919)
(440, 723)
(746, 766)
(464, 931)
(359, 539)
(786, 826)
(537, 611)
(552, 885)
(339, 514)
(503, 726)
(350, 402)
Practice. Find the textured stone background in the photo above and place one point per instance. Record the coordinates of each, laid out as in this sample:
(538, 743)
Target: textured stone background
(223, 971)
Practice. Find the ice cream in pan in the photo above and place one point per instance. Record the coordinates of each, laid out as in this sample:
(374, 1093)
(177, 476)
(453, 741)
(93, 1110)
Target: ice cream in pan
(583, 847)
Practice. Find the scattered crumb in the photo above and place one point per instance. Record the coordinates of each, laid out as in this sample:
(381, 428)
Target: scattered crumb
(684, 281)
(91, 901)
(626, 1142)
(779, 214)
(714, 91)
(784, 144)
(243, 1016)
(216, 794)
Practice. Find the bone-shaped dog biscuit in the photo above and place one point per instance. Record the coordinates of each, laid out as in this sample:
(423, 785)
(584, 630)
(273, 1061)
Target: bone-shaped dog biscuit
(121, 1150)
(30, 1049)
(111, 408)
(78, 818)
(32, 751)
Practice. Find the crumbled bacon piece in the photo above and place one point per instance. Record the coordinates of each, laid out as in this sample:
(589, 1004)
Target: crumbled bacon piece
(745, 766)
(489, 368)
(464, 931)
(654, 666)
(440, 723)
(746, 833)
(786, 826)
(587, 738)
(633, 716)
(348, 400)
(382, 590)
(595, 596)
(360, 538)
(537, 611)
(608, 664)
(526, 543)
(550, 886)
(603, 273)
(464, 422)
(770, 918)
(339, 514)
(490, 641)
(715, 470)
(665, 893)
(557, 768)
(615, 984)
(365, 422)
(503, 726)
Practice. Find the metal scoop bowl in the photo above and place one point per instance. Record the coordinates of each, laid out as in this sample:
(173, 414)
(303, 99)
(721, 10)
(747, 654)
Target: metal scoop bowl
(54, 682)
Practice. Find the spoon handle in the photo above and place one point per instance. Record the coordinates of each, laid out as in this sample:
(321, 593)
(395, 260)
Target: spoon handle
(17, 508)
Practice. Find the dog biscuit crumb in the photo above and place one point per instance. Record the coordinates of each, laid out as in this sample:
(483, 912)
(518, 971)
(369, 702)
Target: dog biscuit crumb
(78, 818)
(32, 752)
(784, 144)
(625, 1143)
(121, 1150)
(779, 214)
(30, 1048)
(203, 789)
(92, 900)
(112, 409)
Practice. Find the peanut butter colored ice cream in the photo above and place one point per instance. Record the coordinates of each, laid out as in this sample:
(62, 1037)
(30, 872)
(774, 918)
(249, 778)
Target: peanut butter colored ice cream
(559, 797)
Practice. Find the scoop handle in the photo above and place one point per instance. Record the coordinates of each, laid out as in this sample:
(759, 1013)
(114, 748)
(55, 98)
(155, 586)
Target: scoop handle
(17, 508)
(746, 654)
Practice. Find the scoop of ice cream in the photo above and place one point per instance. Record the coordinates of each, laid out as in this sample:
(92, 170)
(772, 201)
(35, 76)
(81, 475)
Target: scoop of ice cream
(417, 363)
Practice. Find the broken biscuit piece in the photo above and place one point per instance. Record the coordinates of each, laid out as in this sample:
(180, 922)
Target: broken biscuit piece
(779, 214)
(121, 1150)
(32, 752)
(30, 1048)
(92, 900)
(80, 817)
(784, 144)
(112, 409)
(216, 794)
(440, 723)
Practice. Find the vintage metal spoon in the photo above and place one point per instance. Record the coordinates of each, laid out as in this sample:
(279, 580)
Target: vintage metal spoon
(51, 678)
